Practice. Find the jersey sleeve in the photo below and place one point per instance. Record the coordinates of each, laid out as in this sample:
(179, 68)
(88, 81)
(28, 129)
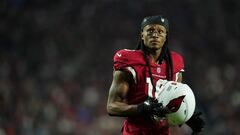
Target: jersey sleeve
(122, 61)
(178, 63)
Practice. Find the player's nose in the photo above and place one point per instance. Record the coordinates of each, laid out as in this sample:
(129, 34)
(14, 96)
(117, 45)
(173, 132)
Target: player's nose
(155, 35)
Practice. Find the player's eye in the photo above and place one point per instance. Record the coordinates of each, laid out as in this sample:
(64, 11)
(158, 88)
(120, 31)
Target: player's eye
(150, 31)
(160, 31)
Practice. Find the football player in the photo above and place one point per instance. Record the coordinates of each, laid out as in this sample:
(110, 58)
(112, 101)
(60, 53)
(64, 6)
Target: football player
(138, 75)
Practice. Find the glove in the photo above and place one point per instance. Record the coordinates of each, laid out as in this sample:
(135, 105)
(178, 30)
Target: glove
(151, 108)
(196, 123)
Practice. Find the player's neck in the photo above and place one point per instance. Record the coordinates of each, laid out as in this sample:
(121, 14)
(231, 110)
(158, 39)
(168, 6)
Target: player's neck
(155, 54)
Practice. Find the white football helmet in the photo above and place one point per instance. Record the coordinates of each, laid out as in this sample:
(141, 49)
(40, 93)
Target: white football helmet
(179, 98)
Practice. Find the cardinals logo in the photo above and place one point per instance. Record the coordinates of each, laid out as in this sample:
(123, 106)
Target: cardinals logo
(175, 103)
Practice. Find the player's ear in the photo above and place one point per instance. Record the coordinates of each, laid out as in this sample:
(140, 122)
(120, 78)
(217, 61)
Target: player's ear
(141, 34)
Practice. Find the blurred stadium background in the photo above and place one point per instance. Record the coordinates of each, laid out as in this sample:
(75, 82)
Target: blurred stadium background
(56, 61)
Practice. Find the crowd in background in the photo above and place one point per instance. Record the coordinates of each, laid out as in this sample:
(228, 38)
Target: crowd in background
(56, 61)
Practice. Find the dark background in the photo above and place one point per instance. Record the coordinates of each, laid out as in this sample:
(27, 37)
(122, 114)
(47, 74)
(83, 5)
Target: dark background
(56, 61)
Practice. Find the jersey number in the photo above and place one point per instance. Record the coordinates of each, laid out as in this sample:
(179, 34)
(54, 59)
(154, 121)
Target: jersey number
(158, 85)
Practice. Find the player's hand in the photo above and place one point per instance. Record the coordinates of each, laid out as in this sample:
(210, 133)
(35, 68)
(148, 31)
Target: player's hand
(151, 108)
(196, 123)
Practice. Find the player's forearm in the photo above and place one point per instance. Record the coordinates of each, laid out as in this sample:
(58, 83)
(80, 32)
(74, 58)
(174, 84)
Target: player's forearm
(121, 109)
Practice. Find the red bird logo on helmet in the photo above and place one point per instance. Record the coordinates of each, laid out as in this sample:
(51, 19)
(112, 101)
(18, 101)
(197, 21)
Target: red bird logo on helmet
(175, 103)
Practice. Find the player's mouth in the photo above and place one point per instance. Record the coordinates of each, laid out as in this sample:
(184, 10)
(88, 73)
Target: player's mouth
(154, 41)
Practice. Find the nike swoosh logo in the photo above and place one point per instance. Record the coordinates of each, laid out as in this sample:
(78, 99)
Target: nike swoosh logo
(119, 55)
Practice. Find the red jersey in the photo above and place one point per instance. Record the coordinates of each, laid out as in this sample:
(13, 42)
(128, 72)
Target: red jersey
(133, 61)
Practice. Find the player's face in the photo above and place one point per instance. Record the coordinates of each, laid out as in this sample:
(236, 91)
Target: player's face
(154, 36)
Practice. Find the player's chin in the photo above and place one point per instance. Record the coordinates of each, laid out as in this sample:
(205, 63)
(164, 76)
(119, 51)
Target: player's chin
(156, 46)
